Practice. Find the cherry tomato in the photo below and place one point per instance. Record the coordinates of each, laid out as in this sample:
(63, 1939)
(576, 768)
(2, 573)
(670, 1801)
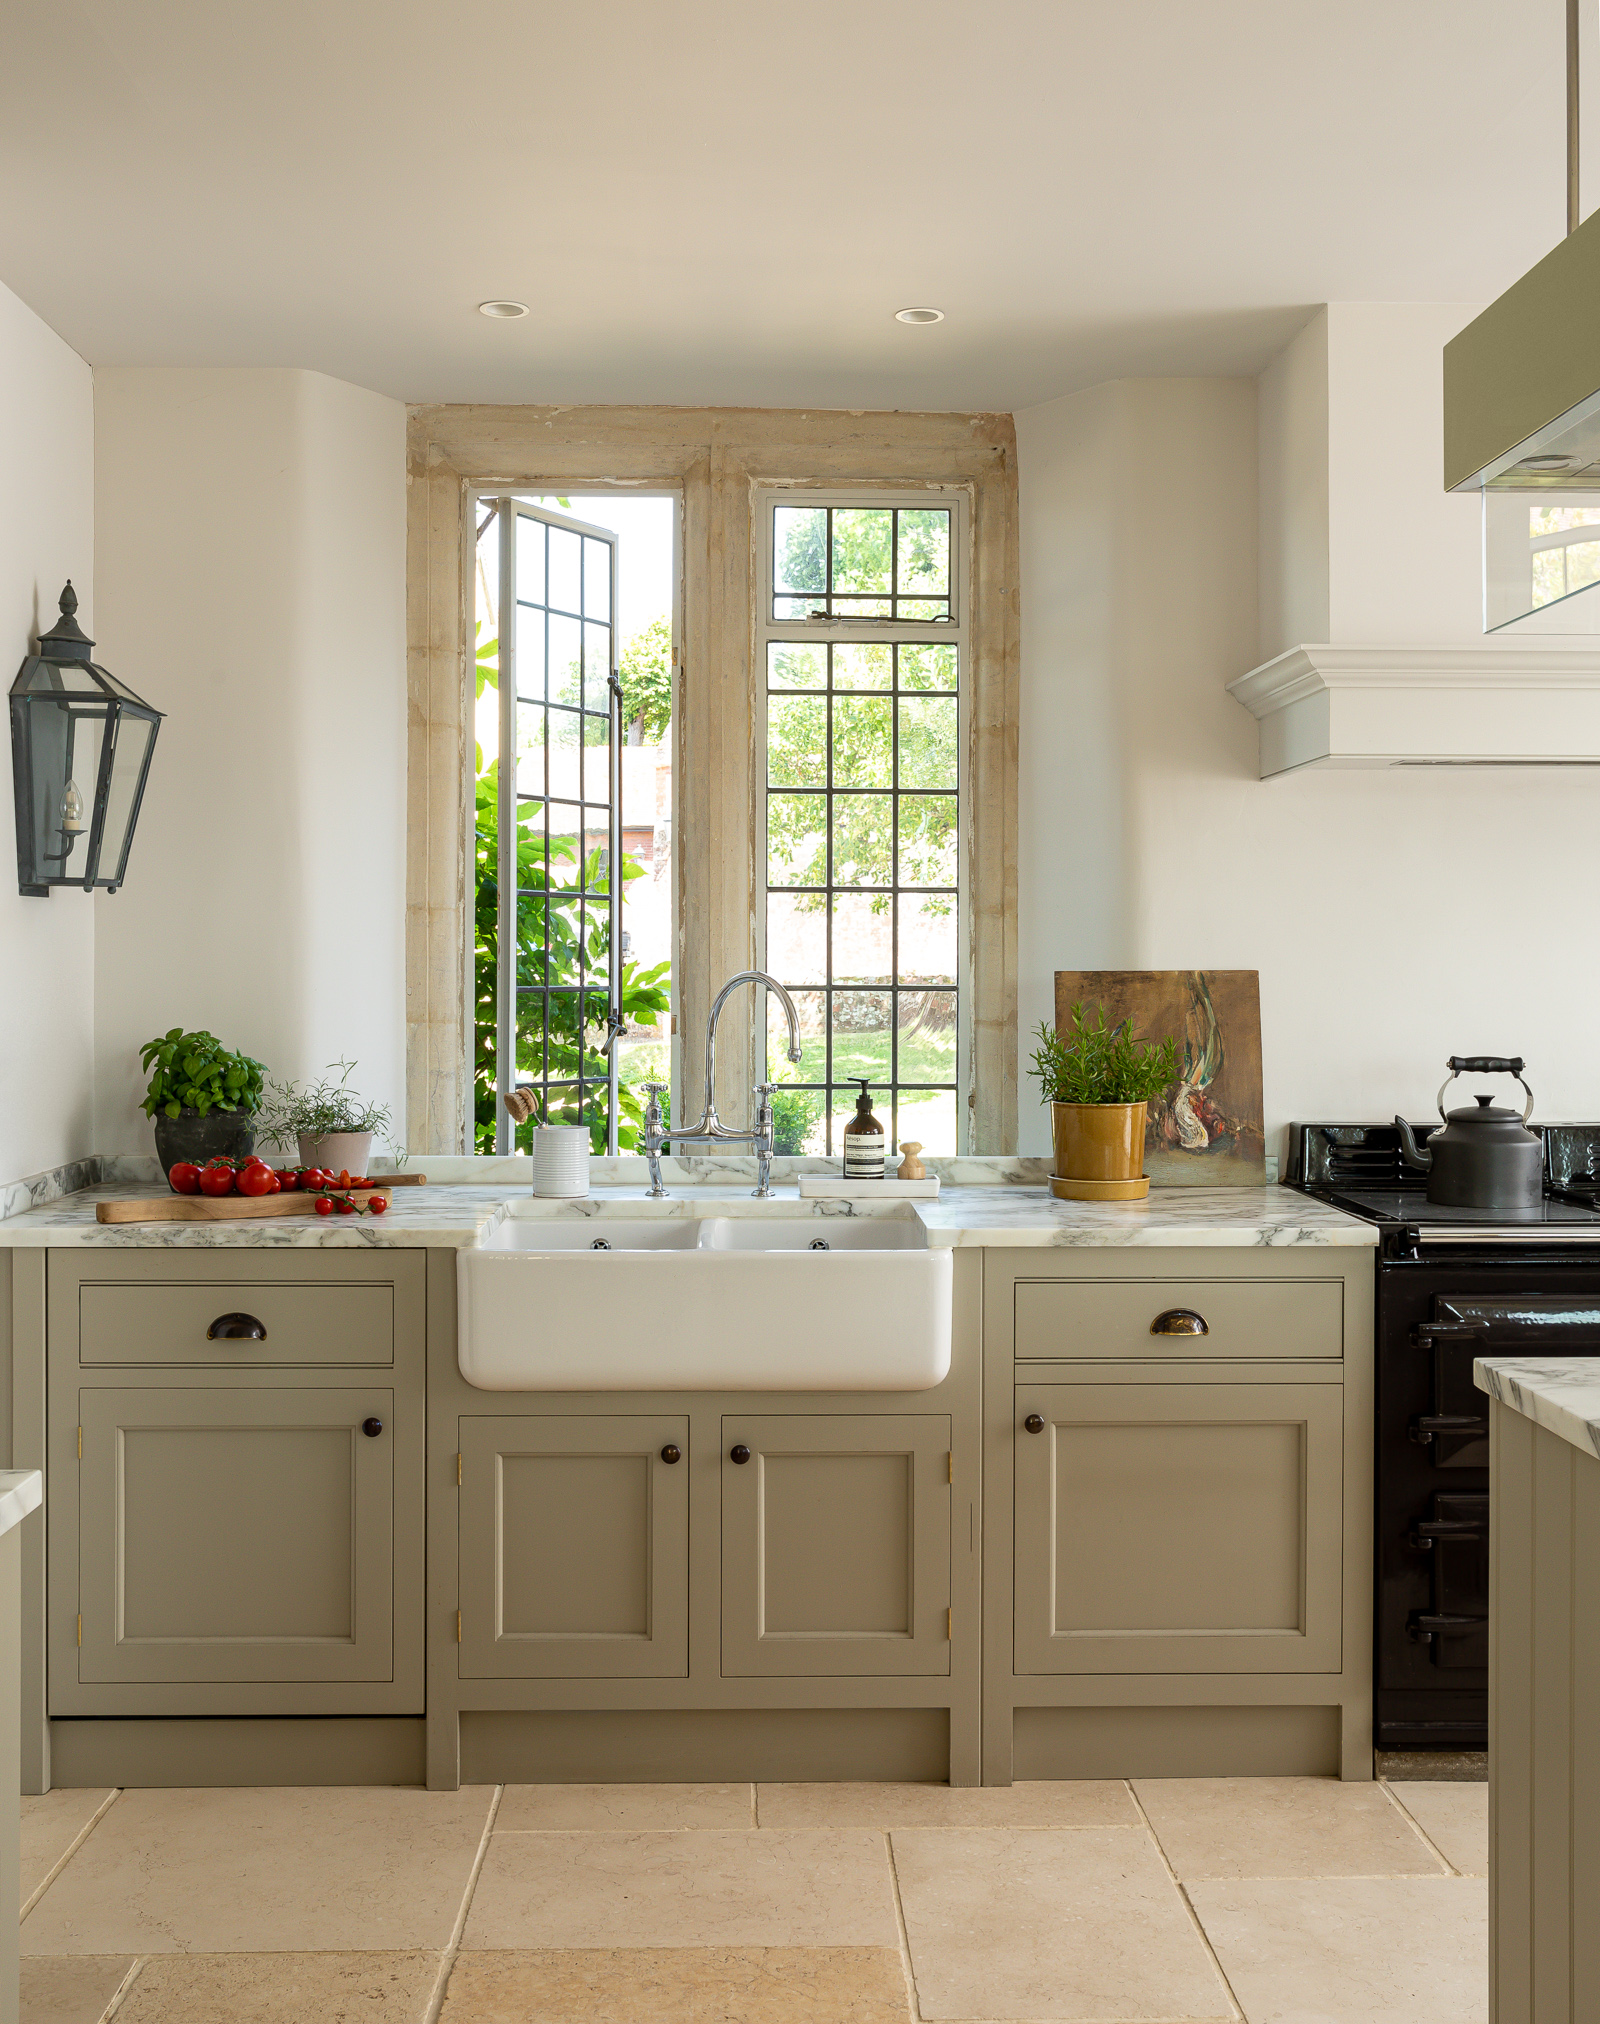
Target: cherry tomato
(184, 1177)
(216, 1179)
(252, 1160)
(256, 1181)
(345, 1206)
(344, 1177)
(377, 1205)
(286, 1178)
(324, 1205)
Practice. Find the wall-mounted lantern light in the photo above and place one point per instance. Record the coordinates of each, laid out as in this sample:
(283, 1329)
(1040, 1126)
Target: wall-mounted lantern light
(80, 748)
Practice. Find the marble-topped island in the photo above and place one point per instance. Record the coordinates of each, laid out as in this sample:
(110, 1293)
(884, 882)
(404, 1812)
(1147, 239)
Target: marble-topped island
(1544, 1684)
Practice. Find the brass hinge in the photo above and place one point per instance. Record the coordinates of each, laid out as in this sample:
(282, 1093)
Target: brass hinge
(80, 1629)
(458, 1470)
(949, 1619)
(80, 1444)
(458, 1626)
(950, 1468)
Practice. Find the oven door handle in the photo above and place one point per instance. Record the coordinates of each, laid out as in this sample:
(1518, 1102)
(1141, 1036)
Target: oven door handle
(1424, 1627)
(1430, 1529)
(1424, 1429)
(1427, 1333)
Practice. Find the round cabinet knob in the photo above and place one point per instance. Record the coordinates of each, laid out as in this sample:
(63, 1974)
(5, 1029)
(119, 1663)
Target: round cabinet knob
(739, 1454)
(1034, 1423)
(671, 1454)
(372, 1428)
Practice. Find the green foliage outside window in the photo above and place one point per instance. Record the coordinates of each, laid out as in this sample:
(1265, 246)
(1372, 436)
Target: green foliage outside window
(645, 672)
(548, 911)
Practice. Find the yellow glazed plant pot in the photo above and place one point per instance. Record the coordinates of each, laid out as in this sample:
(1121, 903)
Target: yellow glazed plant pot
(1099, 1151)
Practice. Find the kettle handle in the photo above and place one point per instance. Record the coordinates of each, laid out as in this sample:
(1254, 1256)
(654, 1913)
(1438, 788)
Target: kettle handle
(1485, 1064)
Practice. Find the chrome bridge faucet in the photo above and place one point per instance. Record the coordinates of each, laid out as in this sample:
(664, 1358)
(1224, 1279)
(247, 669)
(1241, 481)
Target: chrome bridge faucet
(710, 1131)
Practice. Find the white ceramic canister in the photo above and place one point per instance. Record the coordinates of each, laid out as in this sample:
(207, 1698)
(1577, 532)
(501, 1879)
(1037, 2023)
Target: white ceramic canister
(561, 1160)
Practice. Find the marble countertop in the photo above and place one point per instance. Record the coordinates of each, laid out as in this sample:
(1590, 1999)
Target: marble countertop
(21, 1491)
(1559, 1393)
(457, 1217)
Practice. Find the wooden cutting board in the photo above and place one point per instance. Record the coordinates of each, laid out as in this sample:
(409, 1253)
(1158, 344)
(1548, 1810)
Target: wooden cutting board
(230, 1208)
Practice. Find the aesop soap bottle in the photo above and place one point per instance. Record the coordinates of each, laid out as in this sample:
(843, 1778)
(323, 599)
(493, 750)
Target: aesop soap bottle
(864, 1140)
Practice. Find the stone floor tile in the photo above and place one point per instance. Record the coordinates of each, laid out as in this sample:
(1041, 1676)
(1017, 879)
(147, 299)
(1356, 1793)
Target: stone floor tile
(1043, 1923)
(1385, 1950)
(50, 1821)
(1099, 1802)
(680, 1985)
(701, 1888)
(621, 1808)
(265, 1870)
(333, 1988)
(71, 1989)
(1455, 1817)
(1224, 1827)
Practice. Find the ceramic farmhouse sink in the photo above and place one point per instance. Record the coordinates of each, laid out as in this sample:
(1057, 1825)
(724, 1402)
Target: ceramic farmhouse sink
(716, 1304)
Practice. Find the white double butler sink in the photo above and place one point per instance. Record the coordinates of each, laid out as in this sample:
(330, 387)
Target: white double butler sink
(715, 1303)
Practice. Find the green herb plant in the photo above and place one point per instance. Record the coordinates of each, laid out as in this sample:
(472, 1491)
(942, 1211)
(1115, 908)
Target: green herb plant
(194, 1071)
(323, 1108)
(1096, 1063)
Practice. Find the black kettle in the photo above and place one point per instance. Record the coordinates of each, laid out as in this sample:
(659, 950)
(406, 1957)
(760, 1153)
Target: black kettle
(1485, 1158)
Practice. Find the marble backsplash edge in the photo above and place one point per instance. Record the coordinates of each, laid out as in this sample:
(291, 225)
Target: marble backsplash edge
(35, 1191)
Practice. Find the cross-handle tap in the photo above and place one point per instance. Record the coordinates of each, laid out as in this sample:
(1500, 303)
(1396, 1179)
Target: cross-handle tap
(655, 1133)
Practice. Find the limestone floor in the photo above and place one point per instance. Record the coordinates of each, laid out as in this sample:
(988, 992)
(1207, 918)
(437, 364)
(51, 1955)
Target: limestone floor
(1163, 1901)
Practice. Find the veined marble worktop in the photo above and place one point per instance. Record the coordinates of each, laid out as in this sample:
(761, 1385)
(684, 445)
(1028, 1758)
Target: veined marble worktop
(456, 1217)
(21, 1491)
(1559, 1393)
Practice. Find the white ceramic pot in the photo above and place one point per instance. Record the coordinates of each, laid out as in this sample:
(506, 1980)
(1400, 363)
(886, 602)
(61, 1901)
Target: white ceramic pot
(561, 1160)
(343, 1151)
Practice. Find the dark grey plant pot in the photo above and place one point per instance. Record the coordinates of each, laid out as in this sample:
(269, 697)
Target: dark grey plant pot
(220, 1134)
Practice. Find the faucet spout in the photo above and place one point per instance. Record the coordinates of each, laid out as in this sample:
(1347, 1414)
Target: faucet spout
(708, 1121)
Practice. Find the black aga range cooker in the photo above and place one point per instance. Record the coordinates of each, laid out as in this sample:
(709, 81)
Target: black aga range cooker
(1452, 1283)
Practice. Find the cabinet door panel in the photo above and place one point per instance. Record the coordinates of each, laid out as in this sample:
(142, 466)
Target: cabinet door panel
(236, 1536)
(836, 1544)
(574, 1547)
(1178, 1528)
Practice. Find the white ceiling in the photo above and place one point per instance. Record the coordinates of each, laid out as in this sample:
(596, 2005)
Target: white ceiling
(725, 201)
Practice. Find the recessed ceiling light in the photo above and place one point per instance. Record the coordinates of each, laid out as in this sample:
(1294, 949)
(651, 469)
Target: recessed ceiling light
(502, 308)
(919, 316)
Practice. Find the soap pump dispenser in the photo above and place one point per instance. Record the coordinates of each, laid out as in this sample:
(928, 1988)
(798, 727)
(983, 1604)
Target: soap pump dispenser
(864, 1139)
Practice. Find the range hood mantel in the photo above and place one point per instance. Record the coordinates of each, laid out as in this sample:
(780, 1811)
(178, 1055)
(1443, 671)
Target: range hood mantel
(1494, 705)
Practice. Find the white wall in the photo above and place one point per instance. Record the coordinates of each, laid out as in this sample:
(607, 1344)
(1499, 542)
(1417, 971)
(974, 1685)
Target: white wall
(46, 946)
(251, 529)
(1395, 917)
(1292, 427)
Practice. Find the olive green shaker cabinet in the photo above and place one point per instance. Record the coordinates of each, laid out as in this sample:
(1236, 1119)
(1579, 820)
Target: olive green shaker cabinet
(241, 1437)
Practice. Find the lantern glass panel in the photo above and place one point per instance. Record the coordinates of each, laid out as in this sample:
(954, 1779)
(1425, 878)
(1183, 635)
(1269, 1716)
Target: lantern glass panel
(134, 733)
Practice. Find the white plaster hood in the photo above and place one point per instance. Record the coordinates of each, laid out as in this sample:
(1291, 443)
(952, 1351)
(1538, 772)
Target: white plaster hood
(1532, 703)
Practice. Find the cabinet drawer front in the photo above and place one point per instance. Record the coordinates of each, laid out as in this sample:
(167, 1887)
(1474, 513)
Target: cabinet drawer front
(236, 1536)
(835, 1544)
(1167, 1527)
(168, 1324)
(1063, 1321)
(575, 1547)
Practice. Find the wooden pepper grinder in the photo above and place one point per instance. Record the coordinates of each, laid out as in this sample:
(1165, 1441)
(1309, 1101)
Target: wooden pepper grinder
(911, 1168)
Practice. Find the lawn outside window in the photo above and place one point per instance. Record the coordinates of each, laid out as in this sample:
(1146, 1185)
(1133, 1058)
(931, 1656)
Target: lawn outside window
(861, 646)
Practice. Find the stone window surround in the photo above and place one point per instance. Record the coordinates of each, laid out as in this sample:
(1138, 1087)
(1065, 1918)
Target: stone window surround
(715, 459)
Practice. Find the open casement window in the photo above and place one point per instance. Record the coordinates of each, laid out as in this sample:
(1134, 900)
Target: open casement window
(548, 822)
(861, 637)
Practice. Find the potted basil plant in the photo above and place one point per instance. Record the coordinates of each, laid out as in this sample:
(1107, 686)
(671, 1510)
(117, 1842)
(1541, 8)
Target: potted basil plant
(1098, 1081)
(330, 1125)
(202, 1098)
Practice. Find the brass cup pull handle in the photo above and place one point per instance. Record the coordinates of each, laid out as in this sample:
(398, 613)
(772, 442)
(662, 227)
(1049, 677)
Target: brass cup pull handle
(671, 1453)
(739, 1454)
(1034, 1423)
(236, 1328)
(1179, 1321)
